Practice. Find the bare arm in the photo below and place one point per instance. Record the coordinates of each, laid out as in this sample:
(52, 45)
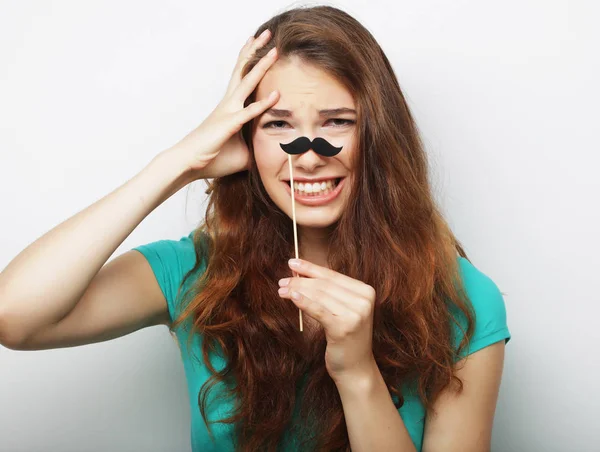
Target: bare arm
(41, 287)
(56, 293)
(463, 423)
(372, 420)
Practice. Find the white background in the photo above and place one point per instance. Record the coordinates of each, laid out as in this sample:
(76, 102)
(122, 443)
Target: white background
(505, 94)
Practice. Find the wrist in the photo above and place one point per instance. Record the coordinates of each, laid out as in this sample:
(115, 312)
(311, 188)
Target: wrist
(165, 174)
(360, 379)
(169, 166)
(173, 165)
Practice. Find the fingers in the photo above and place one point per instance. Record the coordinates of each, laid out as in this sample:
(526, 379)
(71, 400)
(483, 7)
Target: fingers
(251, 80)
(256, 108)
(246, 52)
(312, 270)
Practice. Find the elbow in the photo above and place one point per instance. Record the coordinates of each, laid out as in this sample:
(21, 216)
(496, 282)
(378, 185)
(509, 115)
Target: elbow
(9, 338)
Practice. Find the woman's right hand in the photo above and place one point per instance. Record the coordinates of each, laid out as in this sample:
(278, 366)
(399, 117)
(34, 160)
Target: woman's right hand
(216, 147)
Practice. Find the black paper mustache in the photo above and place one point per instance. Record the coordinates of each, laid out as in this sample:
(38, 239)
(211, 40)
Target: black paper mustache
(302, 144)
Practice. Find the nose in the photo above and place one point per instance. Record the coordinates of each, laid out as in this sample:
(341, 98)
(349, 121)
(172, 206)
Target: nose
(309, 160)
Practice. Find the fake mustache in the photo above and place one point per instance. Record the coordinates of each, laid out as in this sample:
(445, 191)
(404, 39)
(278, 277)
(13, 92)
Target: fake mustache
(302, 144)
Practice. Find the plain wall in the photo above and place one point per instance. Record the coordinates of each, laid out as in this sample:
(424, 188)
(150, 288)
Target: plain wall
(506, 97)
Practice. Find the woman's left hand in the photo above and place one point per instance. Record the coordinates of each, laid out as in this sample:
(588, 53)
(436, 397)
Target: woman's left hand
(344, 307)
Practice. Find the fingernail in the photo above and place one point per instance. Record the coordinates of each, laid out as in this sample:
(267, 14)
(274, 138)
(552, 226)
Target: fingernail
(272, 51)
(264, 33)
(283, 290)
(284, 281)
(295, 263)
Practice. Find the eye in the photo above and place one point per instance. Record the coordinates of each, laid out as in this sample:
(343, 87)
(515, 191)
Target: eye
(269, 125)
(345, 122)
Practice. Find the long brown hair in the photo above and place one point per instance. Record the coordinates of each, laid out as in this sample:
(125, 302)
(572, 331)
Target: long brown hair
(391, 236)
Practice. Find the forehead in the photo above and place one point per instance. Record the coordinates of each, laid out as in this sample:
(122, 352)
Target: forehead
(302, 85)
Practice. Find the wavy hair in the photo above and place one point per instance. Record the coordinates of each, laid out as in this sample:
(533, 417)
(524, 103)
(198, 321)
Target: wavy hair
(391, 236)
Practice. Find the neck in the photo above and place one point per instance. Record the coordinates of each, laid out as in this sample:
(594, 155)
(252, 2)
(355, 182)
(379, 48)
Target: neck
(313, 244)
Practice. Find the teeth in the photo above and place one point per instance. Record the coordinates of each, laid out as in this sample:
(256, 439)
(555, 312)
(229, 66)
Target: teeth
(315, 188)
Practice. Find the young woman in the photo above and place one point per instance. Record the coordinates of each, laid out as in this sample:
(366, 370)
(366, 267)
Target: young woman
(403, 338)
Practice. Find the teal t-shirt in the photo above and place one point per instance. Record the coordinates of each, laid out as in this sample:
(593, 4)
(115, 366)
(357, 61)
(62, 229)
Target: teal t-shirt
(172, 259)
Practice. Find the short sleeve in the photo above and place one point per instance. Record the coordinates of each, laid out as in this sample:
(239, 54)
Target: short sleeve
(490, 310)
(170, 261)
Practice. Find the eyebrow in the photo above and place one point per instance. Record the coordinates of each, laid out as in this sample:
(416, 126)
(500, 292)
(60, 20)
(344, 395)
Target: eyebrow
(322, 113)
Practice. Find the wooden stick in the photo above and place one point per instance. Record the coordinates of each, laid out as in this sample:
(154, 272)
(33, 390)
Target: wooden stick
(295, 228)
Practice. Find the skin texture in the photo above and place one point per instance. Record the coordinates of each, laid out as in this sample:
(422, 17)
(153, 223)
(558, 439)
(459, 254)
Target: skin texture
(304, 90)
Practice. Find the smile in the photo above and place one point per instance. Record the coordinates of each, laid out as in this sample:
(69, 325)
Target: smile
(315, 199)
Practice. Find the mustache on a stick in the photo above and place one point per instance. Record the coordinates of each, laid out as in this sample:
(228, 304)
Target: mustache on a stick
(302, 144)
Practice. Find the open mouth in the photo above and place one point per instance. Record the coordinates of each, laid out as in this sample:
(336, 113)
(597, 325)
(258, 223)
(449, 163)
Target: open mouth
(307, 189)
(316, 194)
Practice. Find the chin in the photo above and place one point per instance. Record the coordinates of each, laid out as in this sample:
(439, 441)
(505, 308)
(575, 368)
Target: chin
(316, 224)
(312, 219)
